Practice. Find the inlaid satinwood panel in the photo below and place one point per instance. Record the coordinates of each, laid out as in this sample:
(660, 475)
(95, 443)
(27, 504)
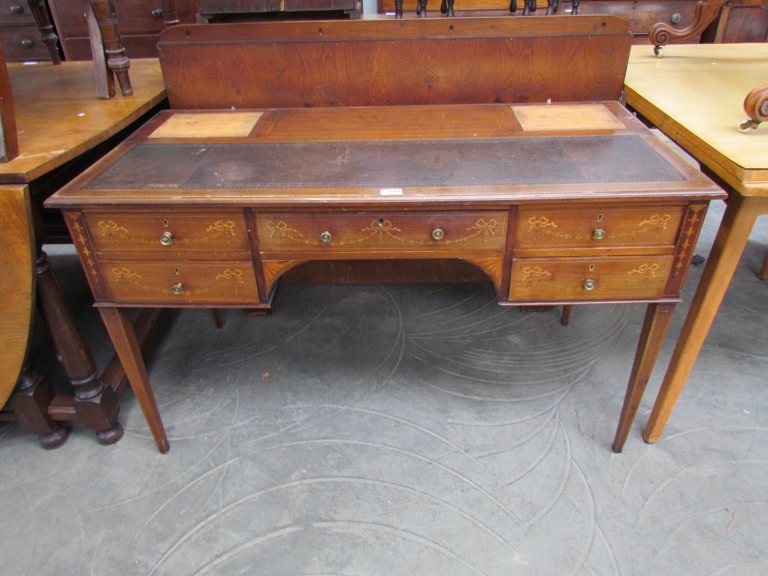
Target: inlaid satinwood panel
(601, 278)
(442, 233)
(597, 227)
(167, 232)
(178, 283)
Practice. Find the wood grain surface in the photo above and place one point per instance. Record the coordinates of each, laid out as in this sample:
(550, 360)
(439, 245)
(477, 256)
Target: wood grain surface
(695, 94)
(58, 116)
(17, 283)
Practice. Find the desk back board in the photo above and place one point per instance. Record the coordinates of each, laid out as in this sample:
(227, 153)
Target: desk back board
(395, 62)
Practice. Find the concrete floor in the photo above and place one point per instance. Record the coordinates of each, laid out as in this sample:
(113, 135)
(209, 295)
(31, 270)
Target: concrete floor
(407, 429)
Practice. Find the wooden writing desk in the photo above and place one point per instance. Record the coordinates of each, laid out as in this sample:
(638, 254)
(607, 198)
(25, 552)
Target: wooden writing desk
(557, 204)
(695, 94)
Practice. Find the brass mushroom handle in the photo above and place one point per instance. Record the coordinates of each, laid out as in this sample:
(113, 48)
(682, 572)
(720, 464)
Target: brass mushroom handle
(326, 236)
(598, 234)
(177, 288)
(166, 239)
(590, 285)
(16, 8)
(438, 234)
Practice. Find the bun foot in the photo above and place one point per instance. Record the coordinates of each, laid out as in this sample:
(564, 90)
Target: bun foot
(54, 439)
(107, 437)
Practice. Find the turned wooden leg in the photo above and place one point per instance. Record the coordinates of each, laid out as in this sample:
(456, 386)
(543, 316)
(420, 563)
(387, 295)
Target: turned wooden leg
(739, 218)
(170, 17)
(655, 325)
(123, 337)
(30, 401)
(104, 11)
(95, 403)
(40, 14)
(398, 9)
(450, 8)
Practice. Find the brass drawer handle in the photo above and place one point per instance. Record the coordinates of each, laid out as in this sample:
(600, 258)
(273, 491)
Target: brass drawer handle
(177, 288)
(16, 8)
(325, 236)
(166, 239)
(590, 285)
(27, 43)
(598, 234)
(437, 234)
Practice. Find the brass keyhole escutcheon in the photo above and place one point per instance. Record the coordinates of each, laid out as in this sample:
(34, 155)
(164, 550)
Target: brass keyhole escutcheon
(325, 236)
(166, 239)
(437, 234)
(598, 234)
(590, 285)
(177, 288)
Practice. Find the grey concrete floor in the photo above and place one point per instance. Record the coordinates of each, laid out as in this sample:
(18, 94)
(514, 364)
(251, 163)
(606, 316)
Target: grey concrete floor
(406, 429)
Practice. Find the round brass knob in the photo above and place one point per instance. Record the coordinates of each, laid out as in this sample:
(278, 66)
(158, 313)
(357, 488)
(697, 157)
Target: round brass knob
(16, 8)
(438, 234)
(675, 18)
(177, 288)
(166, 239)
(325, 236)
(157, 12)
(598, 234)
(27, 43)
(590, 285)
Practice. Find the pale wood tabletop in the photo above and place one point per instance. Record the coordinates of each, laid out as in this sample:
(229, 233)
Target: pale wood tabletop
(695, 94)
(58, 117)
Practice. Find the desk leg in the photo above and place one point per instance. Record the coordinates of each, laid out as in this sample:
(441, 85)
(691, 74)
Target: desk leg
(30, 401)
(655, 325)
(739, 218)
(123, 337)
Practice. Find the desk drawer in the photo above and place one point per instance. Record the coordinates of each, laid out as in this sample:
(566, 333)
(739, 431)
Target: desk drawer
(168, 232)
(444, 233)
(179, 283)
(598, 227)
(604, 278)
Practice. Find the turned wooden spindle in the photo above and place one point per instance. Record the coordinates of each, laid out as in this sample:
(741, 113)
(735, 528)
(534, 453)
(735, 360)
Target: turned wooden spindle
(398, 8)
(756, 107)
(104, 11)
(575, 9)
(170, 18)
(421, 8)
(513, 6)
(704, 13)
(40, 14)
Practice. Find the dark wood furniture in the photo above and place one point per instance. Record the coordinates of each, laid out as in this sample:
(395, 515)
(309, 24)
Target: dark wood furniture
(387, 141)
(733, 20)
(705, 123)
(62, 128)
(229, 10)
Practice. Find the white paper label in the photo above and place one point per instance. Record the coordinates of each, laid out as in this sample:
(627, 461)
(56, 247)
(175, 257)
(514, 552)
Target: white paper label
(391, 191)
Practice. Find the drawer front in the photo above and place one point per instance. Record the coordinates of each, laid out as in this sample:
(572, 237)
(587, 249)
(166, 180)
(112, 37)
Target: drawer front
(15, 13)
(605, 278)
(22, 43)
(541, 227)
(167, 233)
(333, 233)
(180, 283)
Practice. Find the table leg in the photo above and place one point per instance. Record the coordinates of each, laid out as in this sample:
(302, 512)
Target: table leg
(124, 339)
(738, 220)
(104, 11)
(764, 270)
(44, 26)
(30, 401)
(655, 325)
(95, 403)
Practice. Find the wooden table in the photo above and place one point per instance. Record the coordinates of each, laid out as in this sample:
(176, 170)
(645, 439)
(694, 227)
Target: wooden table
(695, 95)
(61, 126)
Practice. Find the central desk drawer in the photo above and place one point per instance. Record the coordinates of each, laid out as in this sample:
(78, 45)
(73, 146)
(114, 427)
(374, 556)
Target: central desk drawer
(167, 233)
(175, 283)
(333, 233)
(603, 278)
(598, 227)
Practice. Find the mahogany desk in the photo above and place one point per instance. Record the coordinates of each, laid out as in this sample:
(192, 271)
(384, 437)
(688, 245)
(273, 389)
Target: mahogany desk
(695, 95)
(59, 120)
(209, 209)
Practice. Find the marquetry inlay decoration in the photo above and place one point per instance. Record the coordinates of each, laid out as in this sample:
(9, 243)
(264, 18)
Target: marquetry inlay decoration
(379, 229)
(645, 269)
(534, 272)
(656, 220)
(690, 232)
(491, 266)
(81, 243)
(230, 274)
(121, 273)
(111, 227)
(542, 222)
(273, 269)
(221, 226)
(229, 277)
